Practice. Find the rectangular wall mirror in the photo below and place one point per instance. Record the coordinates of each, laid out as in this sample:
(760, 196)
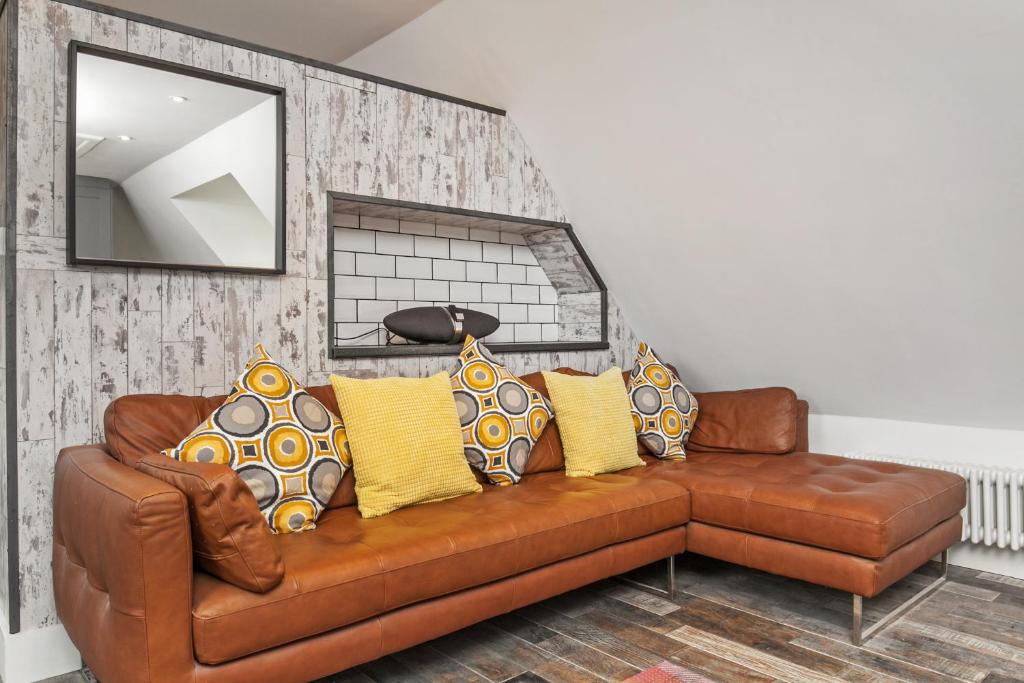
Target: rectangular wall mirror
(172, 166)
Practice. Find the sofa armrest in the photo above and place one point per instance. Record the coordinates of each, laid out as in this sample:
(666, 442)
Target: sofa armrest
(747, 421)
(122, 568)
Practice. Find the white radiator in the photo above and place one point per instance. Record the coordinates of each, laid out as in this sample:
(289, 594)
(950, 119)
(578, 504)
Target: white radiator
(995, 500)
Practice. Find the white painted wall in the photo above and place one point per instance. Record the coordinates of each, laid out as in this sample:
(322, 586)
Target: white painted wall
(197, 230)
(827, 195)
(824, 195)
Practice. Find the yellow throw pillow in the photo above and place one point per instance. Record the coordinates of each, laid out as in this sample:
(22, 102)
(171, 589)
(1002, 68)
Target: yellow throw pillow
(406, 441)
(593, 418)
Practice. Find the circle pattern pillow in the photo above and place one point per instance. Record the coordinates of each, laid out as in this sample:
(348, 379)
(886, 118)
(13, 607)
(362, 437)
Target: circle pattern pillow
(283, 443)
(502, 416)
(664, 411)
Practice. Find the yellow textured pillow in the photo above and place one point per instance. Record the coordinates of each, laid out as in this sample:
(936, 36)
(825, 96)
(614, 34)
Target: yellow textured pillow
(406, 441)
(594, 421)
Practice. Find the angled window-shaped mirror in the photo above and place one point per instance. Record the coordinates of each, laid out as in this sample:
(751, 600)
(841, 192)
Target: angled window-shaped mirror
(172, 166)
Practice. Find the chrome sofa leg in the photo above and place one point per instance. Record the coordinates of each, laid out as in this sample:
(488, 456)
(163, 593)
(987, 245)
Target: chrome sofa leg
(670, 593)
(860, 635)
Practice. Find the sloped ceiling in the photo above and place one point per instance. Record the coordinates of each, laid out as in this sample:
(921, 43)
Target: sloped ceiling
(825, 195)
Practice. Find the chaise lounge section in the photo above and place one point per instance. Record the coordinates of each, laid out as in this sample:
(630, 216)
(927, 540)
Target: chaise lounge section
(356, 589)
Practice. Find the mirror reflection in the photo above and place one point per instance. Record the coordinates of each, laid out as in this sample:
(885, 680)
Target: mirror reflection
(172, 168)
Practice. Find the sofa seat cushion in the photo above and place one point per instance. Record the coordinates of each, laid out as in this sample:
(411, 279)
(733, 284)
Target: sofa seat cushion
(351, 568)
(863, 508)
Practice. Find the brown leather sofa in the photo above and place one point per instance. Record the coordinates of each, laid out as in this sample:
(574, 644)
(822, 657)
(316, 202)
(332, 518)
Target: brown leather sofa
(133, 602)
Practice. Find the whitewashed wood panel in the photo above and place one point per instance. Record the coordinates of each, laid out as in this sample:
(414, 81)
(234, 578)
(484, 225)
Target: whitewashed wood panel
(144, 286)
(34, 354)
(364, 140)
(293, 78)
(176, 297)
(208, 291)
(239, 337)
(238, 61)
(109, 342)
(144, 352)
(429, 175)
(266, 306)
(60, 179)
(35, 521)
(516, 171)
(207, 54)
(68, 23)
(446, 179)
(41, 252)
(266, 69)
(295, 205)
(342, 108)
(497, 150)
(293, 326)
(72, 295)
(35, 120)
(175, 47)
(465, 159)
(481, 122)
(385, 182)
(143, 39)
(317, 334)
(109, 31)
(408, 147)
(177, 368)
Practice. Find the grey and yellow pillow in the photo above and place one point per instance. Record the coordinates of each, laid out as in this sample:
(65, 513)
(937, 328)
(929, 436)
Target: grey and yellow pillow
(283, 443)
(663, 410)
(502, 416)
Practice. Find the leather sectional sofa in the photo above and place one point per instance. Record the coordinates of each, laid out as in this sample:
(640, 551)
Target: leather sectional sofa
(355, 589)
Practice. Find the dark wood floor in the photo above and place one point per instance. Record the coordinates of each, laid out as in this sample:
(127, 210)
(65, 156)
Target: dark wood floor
(730, 624)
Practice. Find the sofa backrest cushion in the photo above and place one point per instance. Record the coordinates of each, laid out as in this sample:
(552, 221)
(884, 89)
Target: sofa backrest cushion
(230, 538)
(746, 421)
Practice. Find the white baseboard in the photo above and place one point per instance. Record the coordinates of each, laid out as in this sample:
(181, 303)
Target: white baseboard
(37, 654)
(940, 443)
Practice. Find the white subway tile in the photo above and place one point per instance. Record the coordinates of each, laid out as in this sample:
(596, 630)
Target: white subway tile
(449, 270)
(431, 290)
(539, 313)
(350, 239)
(393, 243)
(345, 220)
(402, 305)
(535, 276)
(523, 255)
(513, 313)
(416, 228)
(344, 263)
(549, 332)
(497, 293)
(413, 266)
(548, 295)
(372, 223)
(375, 264)
(489, 309)
(453, 232)
(504, 333)
(525, 294)
(374, 311)
(466, 251)
(497, 253)
(528, 333)
(434, 247)
(343, 330)
(394, 288)
(481, 272)
(344, 310)
(512, 274)
(354, 287)
(465, 291)
(511, 238)
(484, 235)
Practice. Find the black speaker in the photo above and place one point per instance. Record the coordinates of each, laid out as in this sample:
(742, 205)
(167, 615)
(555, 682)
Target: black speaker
(439, 324)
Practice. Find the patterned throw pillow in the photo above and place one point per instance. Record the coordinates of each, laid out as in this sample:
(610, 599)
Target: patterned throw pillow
(282, 442)
(502, 416)
(664, 411)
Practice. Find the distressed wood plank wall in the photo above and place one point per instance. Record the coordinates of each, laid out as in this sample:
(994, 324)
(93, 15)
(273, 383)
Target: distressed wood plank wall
(89, 335)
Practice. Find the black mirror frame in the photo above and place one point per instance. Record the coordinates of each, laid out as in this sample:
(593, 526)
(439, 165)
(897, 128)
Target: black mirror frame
(74, 48)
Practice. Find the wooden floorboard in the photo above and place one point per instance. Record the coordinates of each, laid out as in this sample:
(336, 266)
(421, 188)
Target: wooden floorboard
(729, 623)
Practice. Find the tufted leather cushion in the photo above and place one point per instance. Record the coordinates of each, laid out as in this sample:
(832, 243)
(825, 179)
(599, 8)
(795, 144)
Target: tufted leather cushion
(746, 421)
(854, 506)
(353, 568)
